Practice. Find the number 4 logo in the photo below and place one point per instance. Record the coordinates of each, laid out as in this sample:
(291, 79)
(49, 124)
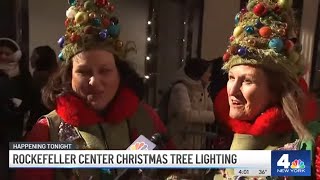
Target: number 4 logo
(284, 161)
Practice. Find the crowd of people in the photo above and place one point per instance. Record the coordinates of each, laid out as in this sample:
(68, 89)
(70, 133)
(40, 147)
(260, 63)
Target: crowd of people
(253, 97)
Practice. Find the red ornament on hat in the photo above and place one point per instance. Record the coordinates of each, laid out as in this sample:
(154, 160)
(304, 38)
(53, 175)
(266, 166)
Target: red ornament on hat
(232, 50)
(111, 8)
(265, 31)
(260, 9)
(101, 3)
(106, 22)
(226, 57)
(74, 37)
(244, 10)
(231, 38)
(277, 9)
(289, 45)
(66, 22)
(88, 29)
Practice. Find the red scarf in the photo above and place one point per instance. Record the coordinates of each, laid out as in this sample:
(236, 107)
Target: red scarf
(74, 111)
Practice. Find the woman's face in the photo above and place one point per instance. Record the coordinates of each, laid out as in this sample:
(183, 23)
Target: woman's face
(95, 77)
(5, 54)
(248, 92)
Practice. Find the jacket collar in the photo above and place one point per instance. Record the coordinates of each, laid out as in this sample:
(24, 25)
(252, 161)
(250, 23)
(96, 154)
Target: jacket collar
(74, 111)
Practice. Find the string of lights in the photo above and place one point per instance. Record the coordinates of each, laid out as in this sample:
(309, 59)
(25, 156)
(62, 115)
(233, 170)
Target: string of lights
(151, 73)
(150, 58)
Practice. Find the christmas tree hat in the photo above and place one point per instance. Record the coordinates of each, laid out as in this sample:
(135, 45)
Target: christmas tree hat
(91, 24)
(265, 35)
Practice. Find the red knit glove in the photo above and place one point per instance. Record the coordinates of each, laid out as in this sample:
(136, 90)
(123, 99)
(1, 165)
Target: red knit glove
(317, 158)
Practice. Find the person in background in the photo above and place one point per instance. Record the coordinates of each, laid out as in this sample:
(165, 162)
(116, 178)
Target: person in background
(96, 94)
(266, 99)
(14, 97)
(14, 89)
(218, 81)
(219, 77)
(44, 62)
(190, 108)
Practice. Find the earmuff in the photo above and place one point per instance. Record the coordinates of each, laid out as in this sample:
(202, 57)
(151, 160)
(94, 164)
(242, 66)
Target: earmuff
(16, 55)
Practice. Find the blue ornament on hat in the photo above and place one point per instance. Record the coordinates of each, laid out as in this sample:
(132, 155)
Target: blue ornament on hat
(103, 34)
(60, 56)
(258, 24)
(114, 30)
(276, 44)
(96, 22)
(61, 42)
(249, 29)
(242, 51)
(237, 18)
(72, 2)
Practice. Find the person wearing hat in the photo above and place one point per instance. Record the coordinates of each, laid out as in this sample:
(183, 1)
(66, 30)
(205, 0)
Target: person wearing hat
(14, 91)
(266, 99)
(14, 96)
(96, 95)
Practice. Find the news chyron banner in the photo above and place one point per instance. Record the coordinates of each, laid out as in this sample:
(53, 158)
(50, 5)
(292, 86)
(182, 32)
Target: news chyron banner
(140, 156)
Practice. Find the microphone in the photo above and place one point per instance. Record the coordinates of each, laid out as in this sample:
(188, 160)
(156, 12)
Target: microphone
(156, 142)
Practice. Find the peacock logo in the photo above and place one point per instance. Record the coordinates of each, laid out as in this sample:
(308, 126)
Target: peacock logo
(297, 164)
(139, 146)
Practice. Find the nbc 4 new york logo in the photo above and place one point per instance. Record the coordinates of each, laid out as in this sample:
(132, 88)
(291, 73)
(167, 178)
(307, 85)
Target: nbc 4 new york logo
(295, 166)
(290, 163)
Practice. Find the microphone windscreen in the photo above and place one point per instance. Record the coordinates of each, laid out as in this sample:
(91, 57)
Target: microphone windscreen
(142, 143)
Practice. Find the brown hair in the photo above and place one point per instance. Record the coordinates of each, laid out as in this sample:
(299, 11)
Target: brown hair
(292, 99)
(60, 82)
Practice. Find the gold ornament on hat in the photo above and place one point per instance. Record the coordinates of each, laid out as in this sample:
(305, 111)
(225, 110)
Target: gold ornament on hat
(92, 15)
(81, 18)
(252, 42)
(118, 44)
(282, 32)
(237, 31)
(88, 5)
(285, 4)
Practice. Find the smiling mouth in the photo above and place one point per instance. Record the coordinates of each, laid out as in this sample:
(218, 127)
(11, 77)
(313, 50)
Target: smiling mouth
(236, 103)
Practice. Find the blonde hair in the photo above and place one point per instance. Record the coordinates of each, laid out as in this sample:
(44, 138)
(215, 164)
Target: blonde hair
(292, 99)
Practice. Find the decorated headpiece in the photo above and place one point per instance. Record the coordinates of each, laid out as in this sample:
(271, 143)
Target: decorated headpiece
(91, 24)
(265, 35)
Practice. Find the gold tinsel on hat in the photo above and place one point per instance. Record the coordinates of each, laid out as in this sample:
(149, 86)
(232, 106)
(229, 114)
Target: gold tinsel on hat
(91, 24)
(265, 35)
